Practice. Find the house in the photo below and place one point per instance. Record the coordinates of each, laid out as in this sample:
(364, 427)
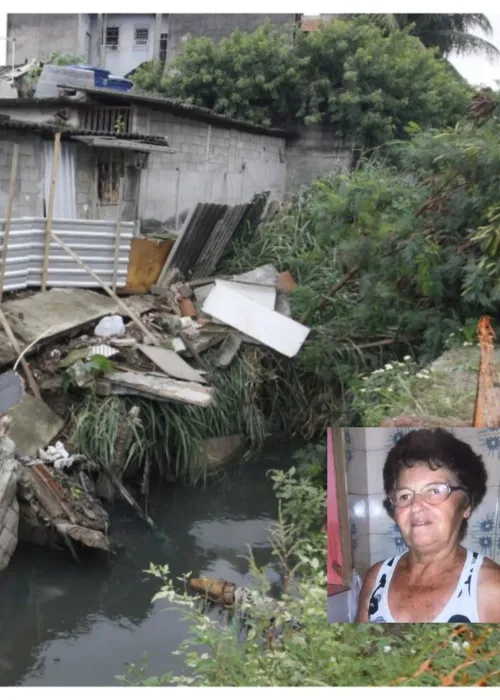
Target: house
(121, 42)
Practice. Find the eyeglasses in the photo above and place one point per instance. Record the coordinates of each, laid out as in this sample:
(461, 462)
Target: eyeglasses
(433, 494)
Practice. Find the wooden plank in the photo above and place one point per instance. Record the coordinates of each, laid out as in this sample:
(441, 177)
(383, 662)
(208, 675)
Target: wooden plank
(170, 363)
(342, 503)
(247, 316)
(146, 261)
(50, 208)
(118, 230)
(8, 215)
(156, 386)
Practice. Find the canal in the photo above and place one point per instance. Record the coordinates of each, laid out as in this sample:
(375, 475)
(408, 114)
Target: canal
(69, 624)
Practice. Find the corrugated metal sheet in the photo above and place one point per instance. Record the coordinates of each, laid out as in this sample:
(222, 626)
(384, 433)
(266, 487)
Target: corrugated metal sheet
(218, 239)
(65, 193)
(191, 242)
(93, 241)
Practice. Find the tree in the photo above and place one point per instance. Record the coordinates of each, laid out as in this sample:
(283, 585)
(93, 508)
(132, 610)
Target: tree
(446, 32)
(350, 75)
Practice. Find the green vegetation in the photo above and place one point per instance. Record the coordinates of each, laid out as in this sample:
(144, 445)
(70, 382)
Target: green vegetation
(304, 649)
(350, 75)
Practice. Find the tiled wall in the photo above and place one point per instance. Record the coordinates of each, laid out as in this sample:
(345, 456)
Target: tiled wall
(374, 536)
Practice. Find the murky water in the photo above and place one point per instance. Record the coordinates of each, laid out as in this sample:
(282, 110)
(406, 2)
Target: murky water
(67, 624)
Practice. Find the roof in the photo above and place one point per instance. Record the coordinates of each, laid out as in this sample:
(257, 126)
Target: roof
(178, 108)
(67, 131)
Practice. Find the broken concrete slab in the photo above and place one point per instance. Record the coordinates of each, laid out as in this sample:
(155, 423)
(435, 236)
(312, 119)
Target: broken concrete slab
(33, 425)
(48, 315)
(228, 350)
(266, 274)
(221, 451)
(156, 386)
(11, 390)
(170, 363)
(247, 316)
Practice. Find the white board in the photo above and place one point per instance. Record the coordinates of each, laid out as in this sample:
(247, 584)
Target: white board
(248, 316)
(266, 296)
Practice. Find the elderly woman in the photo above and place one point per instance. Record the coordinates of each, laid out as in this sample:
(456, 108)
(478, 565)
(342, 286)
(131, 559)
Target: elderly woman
(433, 482)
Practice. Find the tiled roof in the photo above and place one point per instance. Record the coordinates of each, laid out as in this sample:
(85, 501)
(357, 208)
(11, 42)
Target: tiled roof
(68, 131)
(179, 108)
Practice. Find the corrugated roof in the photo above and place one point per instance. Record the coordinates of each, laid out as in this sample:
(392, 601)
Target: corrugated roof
(68, 131)
(179, 108)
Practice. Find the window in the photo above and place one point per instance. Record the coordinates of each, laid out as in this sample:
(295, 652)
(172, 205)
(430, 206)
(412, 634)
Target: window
(112, 37)
(141, 36)
(110, 170)
(163, 47)
(113, 120)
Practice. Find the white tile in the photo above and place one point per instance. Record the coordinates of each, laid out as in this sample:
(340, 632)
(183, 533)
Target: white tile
(379, 522)
(375, 460)
(378, 438)
(483, 525)
(355, 438)
(386, 546)
(361, 554)
(357, 480)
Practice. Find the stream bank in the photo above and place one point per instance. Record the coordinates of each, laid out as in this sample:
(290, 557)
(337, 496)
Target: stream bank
(65, 624)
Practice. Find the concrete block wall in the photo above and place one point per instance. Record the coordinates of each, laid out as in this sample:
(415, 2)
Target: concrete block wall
(211, 163)
(38, 35)
(217, 26)
(314, 153)
(29, 193)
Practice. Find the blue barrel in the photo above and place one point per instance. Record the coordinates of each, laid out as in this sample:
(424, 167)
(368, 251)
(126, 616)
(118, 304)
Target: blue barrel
(116, 83)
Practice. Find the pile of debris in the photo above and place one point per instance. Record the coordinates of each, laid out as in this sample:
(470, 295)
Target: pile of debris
(39, 502)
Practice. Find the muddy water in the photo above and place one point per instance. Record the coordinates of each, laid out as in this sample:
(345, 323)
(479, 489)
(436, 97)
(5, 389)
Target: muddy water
(69, 624)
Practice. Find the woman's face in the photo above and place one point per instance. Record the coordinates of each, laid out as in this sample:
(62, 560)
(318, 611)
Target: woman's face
(423, 526)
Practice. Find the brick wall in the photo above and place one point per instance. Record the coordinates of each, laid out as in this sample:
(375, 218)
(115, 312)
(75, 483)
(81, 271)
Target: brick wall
(211, 164)
(28, 200)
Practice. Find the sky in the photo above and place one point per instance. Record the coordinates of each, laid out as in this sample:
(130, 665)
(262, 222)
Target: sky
(476, 69)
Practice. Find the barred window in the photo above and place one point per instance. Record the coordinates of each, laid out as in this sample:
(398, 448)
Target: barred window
(112, 37)
(141, 36)
(110, 170)
(163, 47)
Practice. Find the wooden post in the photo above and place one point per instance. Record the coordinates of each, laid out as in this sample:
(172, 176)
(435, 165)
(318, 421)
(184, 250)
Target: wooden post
(8, 215)
(50, 208)
(10, 335)
(339, 547)
(117, 234)
(107, 289)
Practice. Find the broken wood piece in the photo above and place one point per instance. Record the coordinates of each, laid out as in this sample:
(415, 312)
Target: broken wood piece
(118, 229)
(108, 290)
(187, 308)
(12, 339)
(8, 215)
(90, 538)
(126, 495)
(50, 208)
(286, 282)
(228, 350)
(247, 316)
(154, 386)
(170, 363)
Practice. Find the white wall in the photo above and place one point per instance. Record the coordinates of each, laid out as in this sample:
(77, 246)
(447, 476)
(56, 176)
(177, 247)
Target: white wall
(128, 56)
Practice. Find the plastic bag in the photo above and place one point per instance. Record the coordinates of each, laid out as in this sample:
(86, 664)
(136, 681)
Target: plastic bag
(110, 325)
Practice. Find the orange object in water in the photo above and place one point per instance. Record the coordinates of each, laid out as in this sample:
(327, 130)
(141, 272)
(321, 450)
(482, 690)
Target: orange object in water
(487, 406)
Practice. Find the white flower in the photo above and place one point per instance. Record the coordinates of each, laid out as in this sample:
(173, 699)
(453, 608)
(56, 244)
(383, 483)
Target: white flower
(387, 649)
(389, 389)
(466, 645)
(362, 391)
(455, 645)
(407, 358)
(388, 367)
(406, 373)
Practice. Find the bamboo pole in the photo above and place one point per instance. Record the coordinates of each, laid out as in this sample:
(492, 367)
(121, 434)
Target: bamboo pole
(8, 215)
(50, 208)
(108, 290)
(117, 234)
(10, 335)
